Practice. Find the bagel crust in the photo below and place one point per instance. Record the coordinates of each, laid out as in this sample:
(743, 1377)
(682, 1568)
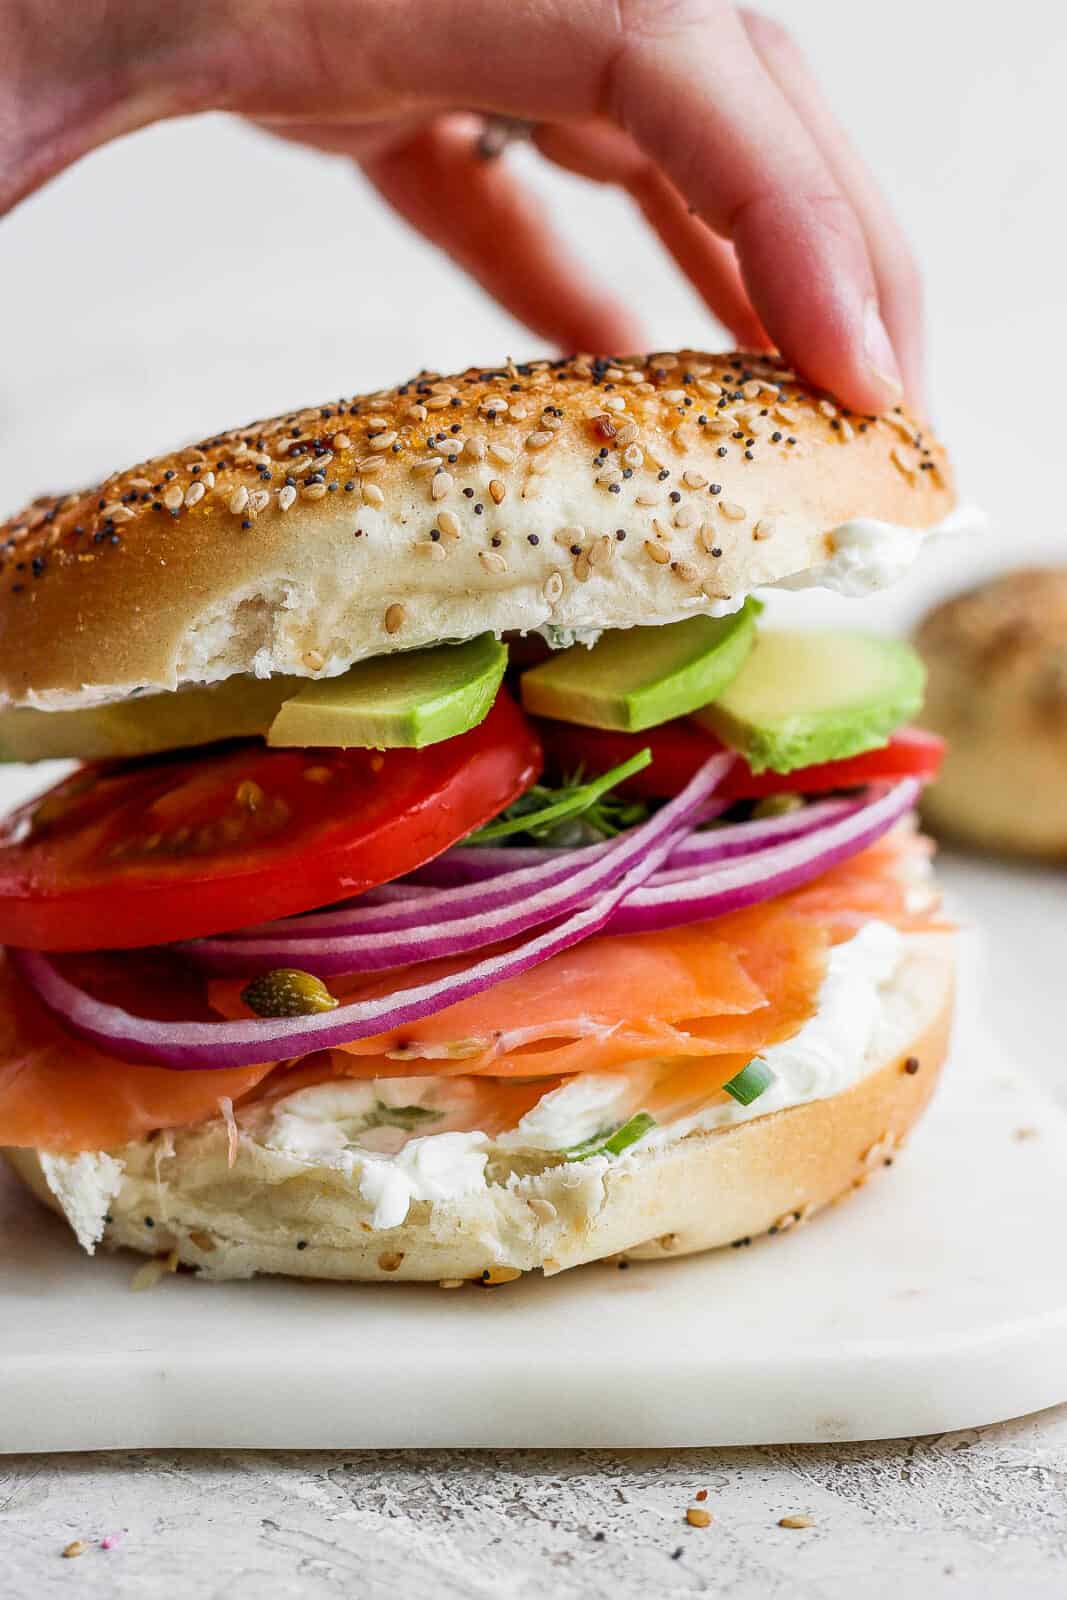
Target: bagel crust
(234, 1213)
(996, 660)
(575, 494)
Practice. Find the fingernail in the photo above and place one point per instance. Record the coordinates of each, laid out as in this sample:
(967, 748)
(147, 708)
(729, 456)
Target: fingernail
(879, 352)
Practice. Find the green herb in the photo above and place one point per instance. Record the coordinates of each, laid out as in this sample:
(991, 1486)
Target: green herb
(287, 992)
(750, 1082)
(541, 808)
(407, 1117)
(614, 1143)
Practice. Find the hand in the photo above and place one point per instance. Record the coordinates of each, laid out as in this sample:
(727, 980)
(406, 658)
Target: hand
(706, 114)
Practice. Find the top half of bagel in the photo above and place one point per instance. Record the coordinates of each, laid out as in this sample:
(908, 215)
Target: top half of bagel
(577, 493)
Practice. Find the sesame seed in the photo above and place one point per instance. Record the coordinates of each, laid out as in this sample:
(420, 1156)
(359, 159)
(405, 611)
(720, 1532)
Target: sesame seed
(685, 516)
(382, 441)
(764, 528)
(683, 570)
(751, 389)
(427, 464)
(731, 509)
(657, 552)
(497, 491)
(372, 495)
(258, 500)
(433, 550)
(600, 551)
(395, 617)
(538, 439)
(173, 497)
(694, 480)
(314, 660)
(194, 494)
(903, 460)
(645, 500)
(492, 562)
(503, 453)
(448, 523)
(697, 1517)
(441, 484)
(552, 589)
(827, 408)
(314, 491)
(610, 476)
(341, 441)
(124, 514)
(633, 455)
(475, 448)
(286, 496)
(847, 431)
(902, 426)
(795, 1522)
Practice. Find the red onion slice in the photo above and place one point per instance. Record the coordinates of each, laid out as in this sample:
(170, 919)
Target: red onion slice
(399, 935)
(406, 907)
(667, 901)
(199, 1045)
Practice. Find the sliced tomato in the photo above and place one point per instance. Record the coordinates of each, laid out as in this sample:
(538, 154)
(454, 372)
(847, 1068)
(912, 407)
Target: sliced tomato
(680, 747)
(148, 852)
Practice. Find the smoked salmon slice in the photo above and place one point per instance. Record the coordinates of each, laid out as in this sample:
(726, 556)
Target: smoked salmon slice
(702, 998)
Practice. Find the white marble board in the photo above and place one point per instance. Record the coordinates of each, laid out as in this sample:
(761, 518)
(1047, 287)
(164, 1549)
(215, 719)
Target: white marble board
(935, 1299)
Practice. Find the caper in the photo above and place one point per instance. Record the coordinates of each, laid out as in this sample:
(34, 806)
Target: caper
(777, 805)
(287, 992)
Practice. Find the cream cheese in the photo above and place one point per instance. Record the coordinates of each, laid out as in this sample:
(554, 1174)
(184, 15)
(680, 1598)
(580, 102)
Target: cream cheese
(442, 1166)
(84, 1186)
(867, 555)
(340, 1124)
(834, 1049)
(569, 1115)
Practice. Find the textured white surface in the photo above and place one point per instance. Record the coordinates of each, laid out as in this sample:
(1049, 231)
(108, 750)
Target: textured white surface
(297, 286)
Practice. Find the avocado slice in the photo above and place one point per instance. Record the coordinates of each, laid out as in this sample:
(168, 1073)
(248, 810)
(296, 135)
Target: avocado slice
(802, 698)
(635, 678)
(145, 724)
(397, 702)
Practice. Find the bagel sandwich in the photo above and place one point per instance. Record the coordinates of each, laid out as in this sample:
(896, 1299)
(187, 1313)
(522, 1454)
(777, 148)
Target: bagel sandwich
(460, 877)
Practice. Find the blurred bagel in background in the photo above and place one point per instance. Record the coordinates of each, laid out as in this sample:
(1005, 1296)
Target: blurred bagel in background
(996, 658)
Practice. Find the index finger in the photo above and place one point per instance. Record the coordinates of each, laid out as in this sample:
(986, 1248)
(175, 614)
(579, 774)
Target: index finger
(694, 93)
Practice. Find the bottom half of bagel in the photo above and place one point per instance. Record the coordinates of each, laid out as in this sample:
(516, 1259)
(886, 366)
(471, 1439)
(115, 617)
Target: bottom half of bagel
(229, 1199)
